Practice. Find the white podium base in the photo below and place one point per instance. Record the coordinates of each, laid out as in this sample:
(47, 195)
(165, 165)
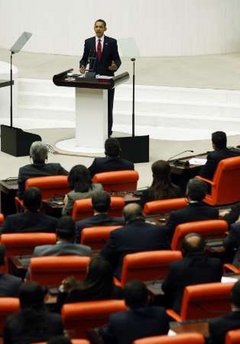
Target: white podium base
(76, 146)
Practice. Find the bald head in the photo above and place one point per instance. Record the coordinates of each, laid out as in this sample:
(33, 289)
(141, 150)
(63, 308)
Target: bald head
(193, 242)
(132, 212)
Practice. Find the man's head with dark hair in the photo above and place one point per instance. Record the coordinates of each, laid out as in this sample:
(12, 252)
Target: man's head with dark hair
(66, 229)
(101, 201)
(31, 295)
(235, 295)
(112, 147)
(2, 254)
(219, 140)
(132, 212)
(32, 199)
(193, 243)
(135, 294)
(196, 189)
(100, 27)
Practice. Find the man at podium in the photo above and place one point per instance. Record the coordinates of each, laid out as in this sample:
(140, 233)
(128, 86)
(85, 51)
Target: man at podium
(101, 53)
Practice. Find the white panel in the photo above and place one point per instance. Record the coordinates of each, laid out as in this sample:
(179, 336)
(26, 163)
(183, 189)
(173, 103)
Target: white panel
(159, 27)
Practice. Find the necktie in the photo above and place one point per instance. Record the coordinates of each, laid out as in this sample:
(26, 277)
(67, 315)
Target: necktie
(99, 50)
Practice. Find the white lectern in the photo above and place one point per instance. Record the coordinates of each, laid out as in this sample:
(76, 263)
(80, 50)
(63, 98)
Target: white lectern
(91, 110)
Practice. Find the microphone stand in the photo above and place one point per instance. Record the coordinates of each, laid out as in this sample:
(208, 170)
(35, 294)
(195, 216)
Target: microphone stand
(11, 91)
(133, 97)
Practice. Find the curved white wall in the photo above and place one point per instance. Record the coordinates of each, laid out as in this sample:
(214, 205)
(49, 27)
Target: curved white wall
(155, 27)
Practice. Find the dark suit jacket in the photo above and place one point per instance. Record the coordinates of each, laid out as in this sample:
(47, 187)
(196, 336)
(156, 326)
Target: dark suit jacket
(62, 249)
(29, 222)
(218, 327)
(173, 191)
(109, 54)
(9, 285)
(232, 243)
(97, 220)
(193, 269)
(37, 170)
(45, 326)
(125, 327)
(136, 236)
(213, 158)
(108, 164)
(193, 212)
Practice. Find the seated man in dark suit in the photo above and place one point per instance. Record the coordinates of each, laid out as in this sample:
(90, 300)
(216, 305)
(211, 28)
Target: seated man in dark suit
(136, 236)
(9, 284)
(218, 327)
(65, 242)
(140, 320)
(220, 152)
(194, 268)
(196, 210)
(112, 161)
(32, 219)
(101, 204)
(39, 168)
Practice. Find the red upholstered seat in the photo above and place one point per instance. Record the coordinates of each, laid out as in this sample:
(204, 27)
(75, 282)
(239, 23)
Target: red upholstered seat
(190, 338)
(200, 301)
(164, 206)
(225, 186)
(82, 208)
(50, 186)
(96, 237)
(147, 266)
(79, 317)
(117, 180)
(209, 230)
(8, 305)
(50, 271)
(233, 337)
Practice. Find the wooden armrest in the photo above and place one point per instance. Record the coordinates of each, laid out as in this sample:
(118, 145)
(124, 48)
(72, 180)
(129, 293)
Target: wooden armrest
(173, 314)
(205, 180)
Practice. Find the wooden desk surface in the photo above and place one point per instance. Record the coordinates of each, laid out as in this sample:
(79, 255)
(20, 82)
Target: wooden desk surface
(200, 326)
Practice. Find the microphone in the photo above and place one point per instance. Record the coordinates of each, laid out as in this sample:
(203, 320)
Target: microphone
(185, 151)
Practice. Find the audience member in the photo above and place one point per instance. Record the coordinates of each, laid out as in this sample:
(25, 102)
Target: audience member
(220, 152)
(65, 242)
(112, 160)
(39, 168)
(101, 202)
(81, 186)
(33, 323)
(98, 285)
(196, 210)
(9, 284)
(32, 219)
(218, 327)
(137, 235)
(162, 186)
(194, 268)
(232, 244)
(140, 320)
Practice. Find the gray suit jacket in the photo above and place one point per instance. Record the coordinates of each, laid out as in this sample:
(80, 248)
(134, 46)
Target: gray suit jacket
(62, 249)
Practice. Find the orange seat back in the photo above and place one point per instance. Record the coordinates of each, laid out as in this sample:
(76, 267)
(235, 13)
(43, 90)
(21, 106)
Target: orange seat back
(50, 271)
(208, 300)
(147, 266)
(191, 338)
(96, 237)
(82, 208)
(114, 181)
(209, 229)
(225, 186)
(50, 186)
(232, 337)
(1, 219)
(79, 317)
(8, 306)
(19, 244)
(164, 206)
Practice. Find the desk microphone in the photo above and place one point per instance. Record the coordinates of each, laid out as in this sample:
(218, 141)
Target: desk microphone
(185, 151)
